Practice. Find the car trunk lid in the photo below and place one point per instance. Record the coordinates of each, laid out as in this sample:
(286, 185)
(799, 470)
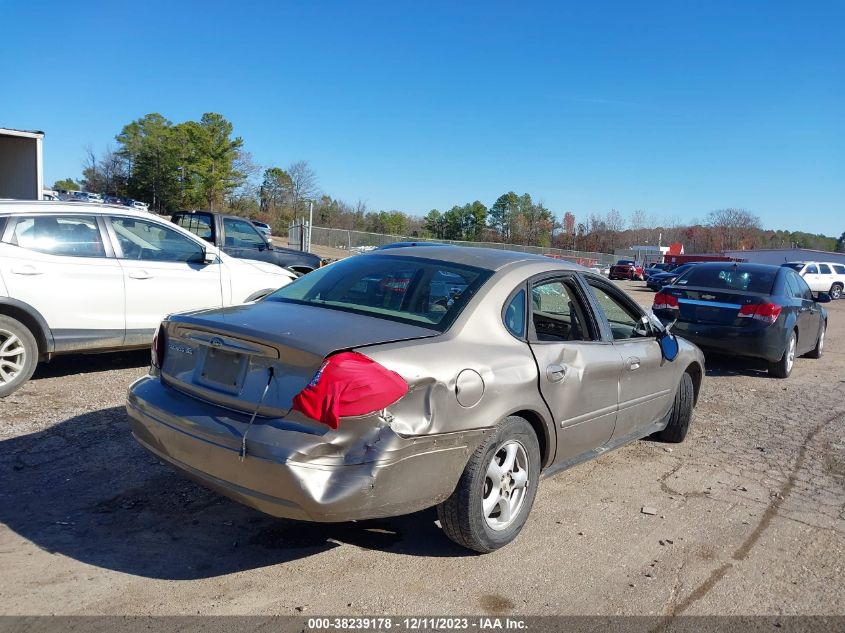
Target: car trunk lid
(708, 305)
(231, 355)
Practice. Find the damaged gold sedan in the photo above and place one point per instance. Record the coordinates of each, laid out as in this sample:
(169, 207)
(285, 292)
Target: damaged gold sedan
(405, 378)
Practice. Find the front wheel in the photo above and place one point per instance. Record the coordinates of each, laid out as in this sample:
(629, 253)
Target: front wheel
(496, 490)
(681, 415)
(783, 367)
(18, 355)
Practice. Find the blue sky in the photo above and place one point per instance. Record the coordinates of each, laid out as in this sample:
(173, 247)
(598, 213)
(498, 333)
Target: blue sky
(674, 107)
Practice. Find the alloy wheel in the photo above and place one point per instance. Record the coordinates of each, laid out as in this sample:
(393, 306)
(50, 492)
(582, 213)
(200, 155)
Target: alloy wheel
(505, 485)
(12, 356)
(790, 354)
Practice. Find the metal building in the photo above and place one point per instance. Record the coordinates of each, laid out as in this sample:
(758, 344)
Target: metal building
(21, 164)
(779, 256)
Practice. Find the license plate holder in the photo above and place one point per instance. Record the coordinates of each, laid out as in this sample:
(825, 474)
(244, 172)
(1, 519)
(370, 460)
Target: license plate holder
(223, 369)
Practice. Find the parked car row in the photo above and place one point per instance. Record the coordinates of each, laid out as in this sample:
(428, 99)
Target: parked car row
(746, 310)
(67, 195)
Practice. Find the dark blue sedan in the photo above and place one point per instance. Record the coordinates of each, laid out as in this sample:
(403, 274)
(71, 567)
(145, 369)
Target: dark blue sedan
(746, 310)
(664, 278)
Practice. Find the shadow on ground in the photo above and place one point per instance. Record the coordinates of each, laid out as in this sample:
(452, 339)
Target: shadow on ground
(718, 365)
(92, 363)
(85, 489)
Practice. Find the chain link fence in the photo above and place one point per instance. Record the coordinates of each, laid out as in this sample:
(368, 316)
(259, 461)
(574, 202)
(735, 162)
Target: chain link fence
(349, 242)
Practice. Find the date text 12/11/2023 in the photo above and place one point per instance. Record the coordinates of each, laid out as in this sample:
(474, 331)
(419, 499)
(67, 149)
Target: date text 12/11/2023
(423, 623)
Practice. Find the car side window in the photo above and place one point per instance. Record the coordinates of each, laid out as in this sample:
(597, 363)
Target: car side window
(141, 239)
(806, 293)
(557, 313)
(69, 236)
(240, 233)
(625, 322)
(812, 269)
(792, 285)
(840, 270)
(824, 269)
(514, 314)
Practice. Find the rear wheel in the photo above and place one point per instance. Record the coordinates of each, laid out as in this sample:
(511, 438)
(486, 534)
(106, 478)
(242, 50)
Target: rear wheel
(783, 367)
(681, 415)
(818, 350)
(836, 291)
(18, 355)
(496, 490)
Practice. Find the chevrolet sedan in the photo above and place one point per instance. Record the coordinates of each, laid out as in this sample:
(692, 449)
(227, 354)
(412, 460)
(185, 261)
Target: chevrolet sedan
(406, 378)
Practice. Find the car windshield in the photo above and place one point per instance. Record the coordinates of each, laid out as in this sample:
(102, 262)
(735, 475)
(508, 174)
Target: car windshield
(415, 291)
(729, 278)
(625, 262)
(794, 266)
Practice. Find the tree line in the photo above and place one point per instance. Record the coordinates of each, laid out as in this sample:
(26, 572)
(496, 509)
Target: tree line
(203, 165)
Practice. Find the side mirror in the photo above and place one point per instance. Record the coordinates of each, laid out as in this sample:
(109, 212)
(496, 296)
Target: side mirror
(823, 297)
(208, 257)
(668, 345)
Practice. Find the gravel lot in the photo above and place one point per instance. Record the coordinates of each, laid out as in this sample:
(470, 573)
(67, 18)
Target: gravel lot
(750, 517)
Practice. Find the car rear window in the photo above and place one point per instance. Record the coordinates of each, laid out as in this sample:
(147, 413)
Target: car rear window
(406, 289)
(729, 278)
(840, 270)
(197, 223)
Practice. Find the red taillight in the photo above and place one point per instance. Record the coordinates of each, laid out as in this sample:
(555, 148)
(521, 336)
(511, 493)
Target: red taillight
(664, 301)
(349, 384)
(158, 347)
(765, 312)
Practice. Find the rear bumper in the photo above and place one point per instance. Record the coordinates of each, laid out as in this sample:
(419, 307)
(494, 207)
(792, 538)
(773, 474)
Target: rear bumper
(292, 472)
(749, 342)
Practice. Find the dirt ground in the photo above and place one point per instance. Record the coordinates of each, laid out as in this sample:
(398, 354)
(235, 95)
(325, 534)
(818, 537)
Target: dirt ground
(750, 517)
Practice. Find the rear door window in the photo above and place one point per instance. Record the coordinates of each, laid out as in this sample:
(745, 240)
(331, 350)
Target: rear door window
(557, 313)
(70, 236)
(152, 241)
(824, 269)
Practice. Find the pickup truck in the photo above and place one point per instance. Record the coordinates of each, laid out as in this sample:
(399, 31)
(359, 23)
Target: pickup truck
(238, 237)
(626, 269)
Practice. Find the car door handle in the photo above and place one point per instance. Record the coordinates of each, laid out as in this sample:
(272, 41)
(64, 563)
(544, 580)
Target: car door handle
(555, 373)
(632, 364)
(26, 269)
(140, 274)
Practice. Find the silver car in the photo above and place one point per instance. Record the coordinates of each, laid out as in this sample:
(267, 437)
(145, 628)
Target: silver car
(474, 371)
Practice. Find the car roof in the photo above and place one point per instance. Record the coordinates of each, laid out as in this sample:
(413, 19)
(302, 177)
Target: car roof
(487, 258)
(743, 266)
(58, 206)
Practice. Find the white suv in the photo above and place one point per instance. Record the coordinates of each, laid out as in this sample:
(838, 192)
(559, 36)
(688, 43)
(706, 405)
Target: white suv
(82, 276)
(821, 276)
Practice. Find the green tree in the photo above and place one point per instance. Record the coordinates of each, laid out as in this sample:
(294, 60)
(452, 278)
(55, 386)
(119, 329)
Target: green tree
(435, 224)
(66, 183)
(275, 190)
(152, 154)
(502, 214)
(211, 158)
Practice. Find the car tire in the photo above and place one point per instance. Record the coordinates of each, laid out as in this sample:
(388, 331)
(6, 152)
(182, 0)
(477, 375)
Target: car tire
(818, 350)
(783, 367)
(836, 291)
(681, 415)
(473, 516)
(18, 355)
